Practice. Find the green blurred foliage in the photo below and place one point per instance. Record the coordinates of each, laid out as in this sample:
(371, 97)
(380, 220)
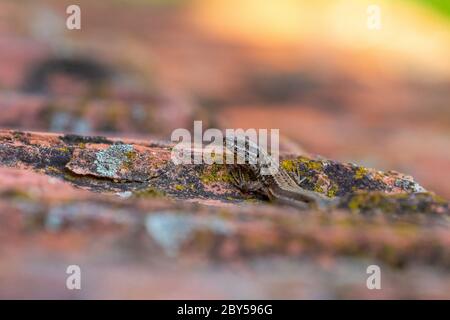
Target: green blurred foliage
(442, 6)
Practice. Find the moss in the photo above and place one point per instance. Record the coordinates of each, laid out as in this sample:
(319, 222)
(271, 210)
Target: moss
(370, 200)
(355, 203)
(437, 199)
(150, 192)
(69, 177)
(53, 169)
(215, 173)
(16, 194)
(395, 203)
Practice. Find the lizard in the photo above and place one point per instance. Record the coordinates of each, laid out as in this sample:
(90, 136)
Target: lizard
(278, 186)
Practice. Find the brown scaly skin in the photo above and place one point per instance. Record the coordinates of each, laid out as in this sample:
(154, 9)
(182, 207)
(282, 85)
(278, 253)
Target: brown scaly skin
(278, 186)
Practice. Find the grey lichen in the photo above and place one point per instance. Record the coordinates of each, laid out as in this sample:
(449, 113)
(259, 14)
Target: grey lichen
(109, 161)
(409, 185)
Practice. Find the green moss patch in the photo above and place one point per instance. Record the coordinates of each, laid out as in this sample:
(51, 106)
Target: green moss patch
(215, 173)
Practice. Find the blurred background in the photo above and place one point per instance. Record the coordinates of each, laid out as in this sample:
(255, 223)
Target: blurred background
(318, 70)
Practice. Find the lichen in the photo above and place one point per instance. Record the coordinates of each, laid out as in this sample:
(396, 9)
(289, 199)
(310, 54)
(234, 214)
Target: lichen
(409, 185)
(401, 203)
(53, 169)
(69, 177)
(332, 190)
(16, 194)
(318, 188)
(150, 192)
(310, 164)
(180, 187)
(288, 165)
(294, 165)
(361, 172)
(131, 156)
(215, 173)
(63, 149)
(364, 201)
(109, 161)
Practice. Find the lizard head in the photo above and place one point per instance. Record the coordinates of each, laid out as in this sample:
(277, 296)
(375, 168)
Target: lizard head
(247, 151)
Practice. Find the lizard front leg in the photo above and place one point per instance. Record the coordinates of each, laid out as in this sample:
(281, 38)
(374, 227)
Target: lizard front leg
(243, 181)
